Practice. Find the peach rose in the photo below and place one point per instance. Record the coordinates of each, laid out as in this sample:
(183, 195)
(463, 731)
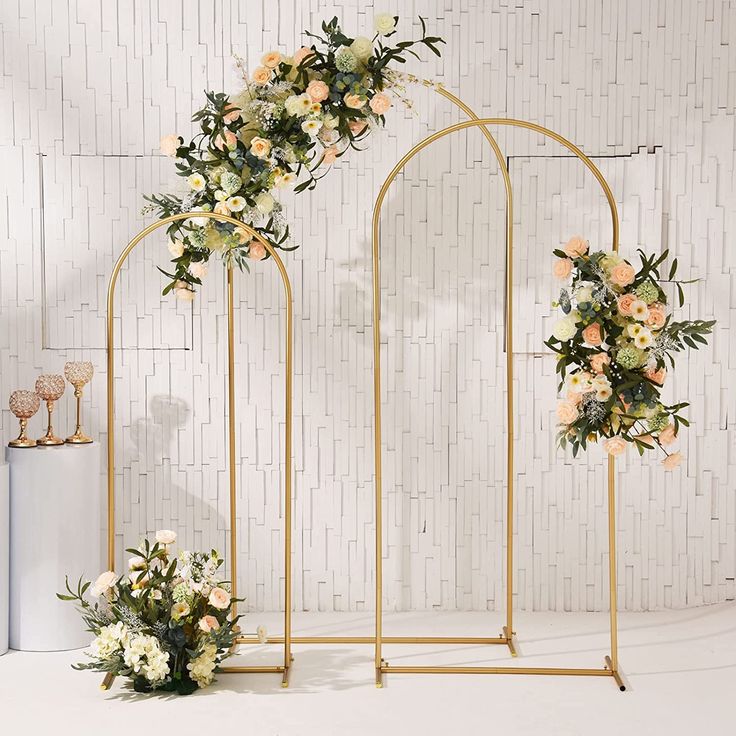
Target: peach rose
(657, 316)
(592, 334)
(624, 304)
(615, 446)
(574, 397)
(260, 147)
(623, 274)
(229, 140)
(301, 54)
(232, 113)
(567, 412)
(330, 155)
(271, 60)
(656, 376)
(219, 598)
(562, 268)
(576, 247)
(354, 102)
(672, 461)
(667, 436)
(261, 75)
(169, 144)
(380, 103)
(257, 251)
(222, 209)
(208, 623)
(598, 361)
(103, 583)
(357, 126)
(317, 90)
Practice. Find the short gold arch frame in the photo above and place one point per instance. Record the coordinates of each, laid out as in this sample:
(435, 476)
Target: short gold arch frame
(381, 666)
(232, 460)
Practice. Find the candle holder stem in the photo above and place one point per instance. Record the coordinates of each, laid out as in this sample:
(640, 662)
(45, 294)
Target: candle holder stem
(22, 440)
(50, 438)
(78, 438)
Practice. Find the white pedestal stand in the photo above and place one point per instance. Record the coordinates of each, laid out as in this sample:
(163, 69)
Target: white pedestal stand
(54, 531)
(4, 557)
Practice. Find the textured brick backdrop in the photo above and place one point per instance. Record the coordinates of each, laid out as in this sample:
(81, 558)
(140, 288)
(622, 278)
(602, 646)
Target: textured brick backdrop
(648, 89)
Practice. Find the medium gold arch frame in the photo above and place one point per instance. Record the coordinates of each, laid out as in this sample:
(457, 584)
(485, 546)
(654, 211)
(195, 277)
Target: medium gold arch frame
(381, 666)
(232, 462)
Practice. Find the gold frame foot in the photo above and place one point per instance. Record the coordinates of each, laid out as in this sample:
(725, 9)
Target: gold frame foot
(285, 677)
(509, 636)
(615, 674)
(107, 681)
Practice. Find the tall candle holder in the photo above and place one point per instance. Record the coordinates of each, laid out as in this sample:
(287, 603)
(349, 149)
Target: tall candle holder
(79, 373)
(24, 404)
(50, 387)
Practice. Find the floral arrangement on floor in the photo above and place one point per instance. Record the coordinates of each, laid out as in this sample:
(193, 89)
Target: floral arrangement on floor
(295, 117)
(614, 344)
(165, 624)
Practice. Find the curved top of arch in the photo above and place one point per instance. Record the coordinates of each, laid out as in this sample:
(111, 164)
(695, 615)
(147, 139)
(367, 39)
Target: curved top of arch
(482, 123)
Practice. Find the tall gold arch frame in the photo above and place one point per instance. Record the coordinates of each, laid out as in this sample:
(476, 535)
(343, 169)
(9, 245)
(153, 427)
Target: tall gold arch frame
(610, 669)
(284, 668)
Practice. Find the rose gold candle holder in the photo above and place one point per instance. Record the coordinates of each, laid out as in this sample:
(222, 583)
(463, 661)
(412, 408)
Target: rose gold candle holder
(50, 387)
(79, 374)
(24, 404)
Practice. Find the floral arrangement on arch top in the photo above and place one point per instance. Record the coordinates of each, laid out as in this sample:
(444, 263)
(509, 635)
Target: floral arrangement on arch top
(165, 624)
(295, 117)
(614, 344)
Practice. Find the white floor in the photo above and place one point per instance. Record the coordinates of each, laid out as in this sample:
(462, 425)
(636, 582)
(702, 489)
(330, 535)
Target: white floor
(680, 668)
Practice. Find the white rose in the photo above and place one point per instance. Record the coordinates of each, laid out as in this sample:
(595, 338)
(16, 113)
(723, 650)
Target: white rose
(176, 248)
(103, 583)
(565, 329)
(384, 23)
(198, 270)
(362, 47)
(165, 536)
(298, 105)
(264, 203)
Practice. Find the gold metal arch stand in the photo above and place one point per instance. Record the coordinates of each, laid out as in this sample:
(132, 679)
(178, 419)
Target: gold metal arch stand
(610, 668)
(506, 638)
(286, 639)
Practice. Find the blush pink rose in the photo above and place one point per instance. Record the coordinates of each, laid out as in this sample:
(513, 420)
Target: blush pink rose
(219, 598)
(592, 334)
(261, 75)
(271, 59)
(330, 155)
(232, 113)
(380, 104)
(623, 274)
(567, 412)
(356, 126)
(257, 251)
(656, 316)
(574, 397)
(562, 268)
(672, 461)
(576, 247)
(301, 54)
(624, 304)
(667, 436)
(229, 140)
(656, 376)
(598, 361)
(208, 623)
(354, 102)
(169, 144)
(615, 446)
(317, 90)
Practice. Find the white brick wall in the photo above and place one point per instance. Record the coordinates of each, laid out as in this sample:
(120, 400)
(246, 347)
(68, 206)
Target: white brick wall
(87, 89)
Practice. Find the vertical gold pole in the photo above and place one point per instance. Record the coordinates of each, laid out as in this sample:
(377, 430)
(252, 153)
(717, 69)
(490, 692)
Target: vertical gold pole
(111, 414)
(231, 438)
(288, 403)
(612, 560)
(377, 445)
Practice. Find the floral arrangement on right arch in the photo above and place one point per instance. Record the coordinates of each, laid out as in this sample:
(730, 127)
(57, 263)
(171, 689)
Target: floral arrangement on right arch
(614, 345)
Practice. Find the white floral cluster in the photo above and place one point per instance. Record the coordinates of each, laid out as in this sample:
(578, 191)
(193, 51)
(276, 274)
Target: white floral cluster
(111, 640)
(202, 668)
(144, 655)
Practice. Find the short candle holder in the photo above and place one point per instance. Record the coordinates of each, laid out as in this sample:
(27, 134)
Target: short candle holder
(24, 404)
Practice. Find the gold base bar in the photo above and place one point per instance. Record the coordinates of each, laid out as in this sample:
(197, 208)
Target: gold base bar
(107, 681)
(384, 640)
(236, 670)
